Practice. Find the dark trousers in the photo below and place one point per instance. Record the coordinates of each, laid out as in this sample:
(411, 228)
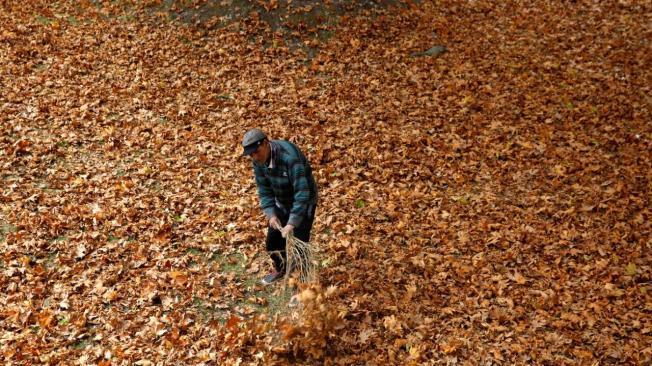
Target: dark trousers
(275, 244)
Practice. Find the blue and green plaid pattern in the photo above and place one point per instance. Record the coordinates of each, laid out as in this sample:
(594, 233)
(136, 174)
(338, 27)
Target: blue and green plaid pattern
(289, 184)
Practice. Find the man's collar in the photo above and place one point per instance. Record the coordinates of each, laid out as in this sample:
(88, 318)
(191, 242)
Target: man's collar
(272, 155)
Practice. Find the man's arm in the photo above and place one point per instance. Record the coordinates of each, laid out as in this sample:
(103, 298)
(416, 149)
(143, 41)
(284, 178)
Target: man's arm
(297, 172)
(265, 192)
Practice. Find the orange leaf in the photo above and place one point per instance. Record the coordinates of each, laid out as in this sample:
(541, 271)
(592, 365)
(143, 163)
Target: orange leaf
(180, 278)
(45, 318)
(233, 322)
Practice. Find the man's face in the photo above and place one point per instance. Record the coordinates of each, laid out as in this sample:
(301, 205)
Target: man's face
(261, 155)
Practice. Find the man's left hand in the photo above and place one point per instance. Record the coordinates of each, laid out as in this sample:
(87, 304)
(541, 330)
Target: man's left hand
(288, 228)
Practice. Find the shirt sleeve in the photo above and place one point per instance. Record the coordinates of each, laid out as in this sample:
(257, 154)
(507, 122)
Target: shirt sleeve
(265, 192)
(301, 189)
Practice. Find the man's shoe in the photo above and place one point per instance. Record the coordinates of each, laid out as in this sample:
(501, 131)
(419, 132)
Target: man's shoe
(272, 277)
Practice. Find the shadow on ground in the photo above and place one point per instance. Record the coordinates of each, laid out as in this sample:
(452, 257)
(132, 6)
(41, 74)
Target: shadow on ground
(299, 23)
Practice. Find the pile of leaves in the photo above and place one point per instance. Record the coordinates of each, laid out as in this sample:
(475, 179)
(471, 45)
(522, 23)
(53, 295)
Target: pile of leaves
(487, 205)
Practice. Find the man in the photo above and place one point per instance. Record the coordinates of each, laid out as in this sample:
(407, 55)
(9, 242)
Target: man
(287, 192)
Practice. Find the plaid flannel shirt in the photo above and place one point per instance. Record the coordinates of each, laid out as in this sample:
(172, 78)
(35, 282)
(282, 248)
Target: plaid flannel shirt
(286, 183)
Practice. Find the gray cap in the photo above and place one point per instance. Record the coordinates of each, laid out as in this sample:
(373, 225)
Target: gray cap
(251, 140)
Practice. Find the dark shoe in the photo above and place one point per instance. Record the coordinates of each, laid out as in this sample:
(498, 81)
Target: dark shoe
(272, 277)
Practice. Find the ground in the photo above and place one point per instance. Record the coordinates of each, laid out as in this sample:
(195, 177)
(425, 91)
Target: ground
(484, 205)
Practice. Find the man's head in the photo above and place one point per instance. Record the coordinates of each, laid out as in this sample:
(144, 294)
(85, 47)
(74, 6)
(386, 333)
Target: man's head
(256, 145)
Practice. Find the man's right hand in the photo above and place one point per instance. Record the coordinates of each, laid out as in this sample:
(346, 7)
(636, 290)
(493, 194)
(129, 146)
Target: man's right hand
(275, 223)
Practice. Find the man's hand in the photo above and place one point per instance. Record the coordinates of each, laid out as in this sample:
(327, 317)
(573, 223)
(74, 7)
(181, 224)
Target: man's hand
(287, 229)
(275, 223)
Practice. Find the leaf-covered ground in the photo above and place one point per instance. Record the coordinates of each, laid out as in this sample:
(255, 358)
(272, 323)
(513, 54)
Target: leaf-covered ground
(489, 205)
